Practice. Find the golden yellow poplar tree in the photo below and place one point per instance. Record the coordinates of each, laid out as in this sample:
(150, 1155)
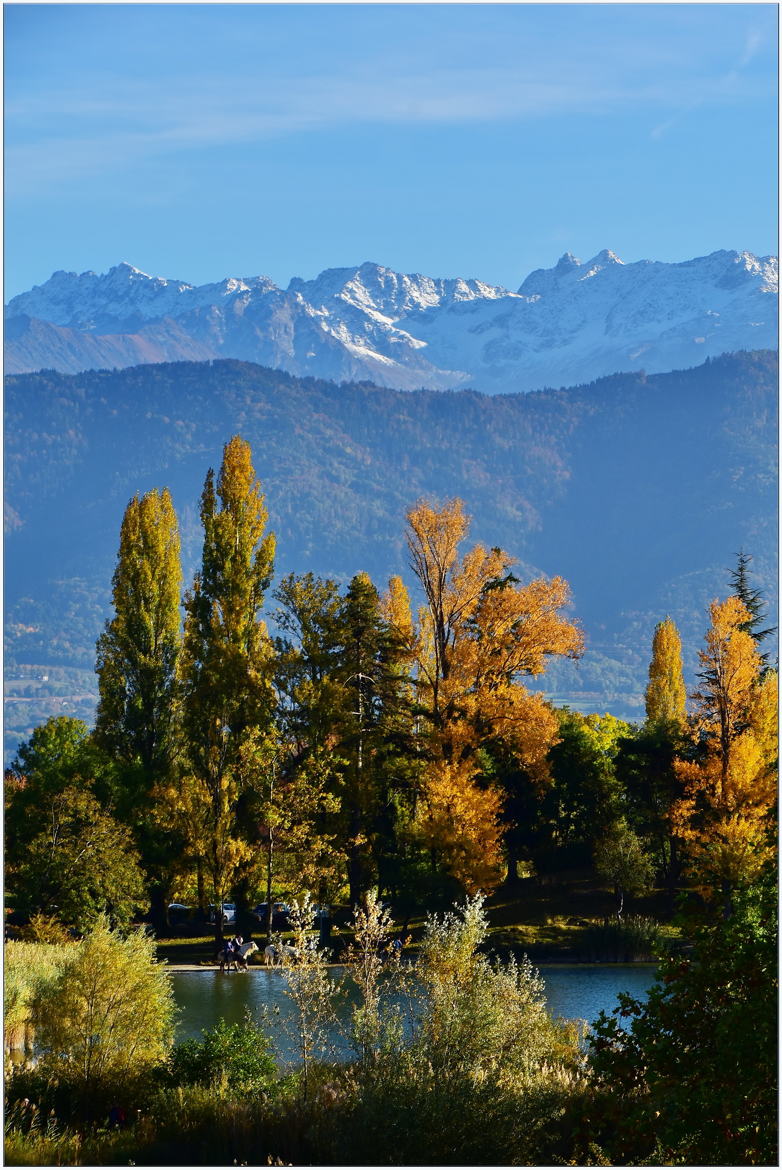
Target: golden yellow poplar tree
(665, 694)
(226, 659)
(729, 789)
(136, 664)
(137, 652)
(479, 633)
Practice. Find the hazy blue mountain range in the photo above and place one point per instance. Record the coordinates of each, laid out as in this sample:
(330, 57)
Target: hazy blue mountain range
(567, 324)
(639, 489)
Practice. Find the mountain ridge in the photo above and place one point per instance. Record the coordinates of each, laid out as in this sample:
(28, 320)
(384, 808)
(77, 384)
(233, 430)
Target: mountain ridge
(571, 323)
(638, 489)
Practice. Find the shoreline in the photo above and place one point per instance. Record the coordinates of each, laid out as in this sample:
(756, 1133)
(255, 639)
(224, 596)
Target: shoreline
(213, 967)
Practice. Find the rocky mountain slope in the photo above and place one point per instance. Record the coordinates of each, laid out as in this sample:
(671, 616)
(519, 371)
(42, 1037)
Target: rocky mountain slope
(571, 323)
(640, 490)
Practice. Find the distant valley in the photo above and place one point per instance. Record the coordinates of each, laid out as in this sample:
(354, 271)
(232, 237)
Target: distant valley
(639, 489)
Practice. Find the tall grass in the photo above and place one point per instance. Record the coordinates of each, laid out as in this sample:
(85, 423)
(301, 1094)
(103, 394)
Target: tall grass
(29, 967)
(633, 939)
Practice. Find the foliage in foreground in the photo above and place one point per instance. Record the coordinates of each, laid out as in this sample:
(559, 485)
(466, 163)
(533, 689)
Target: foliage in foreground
(233, 1056)
(694, 1079)
(485, 1074)
(458, 1063)
(104, 1020)
(28, 968)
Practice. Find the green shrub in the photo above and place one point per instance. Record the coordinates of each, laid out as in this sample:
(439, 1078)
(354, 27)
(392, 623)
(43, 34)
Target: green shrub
(484, 1076)
(236, 1056)
(105, 1019)
(689, 1075)
(45, 928)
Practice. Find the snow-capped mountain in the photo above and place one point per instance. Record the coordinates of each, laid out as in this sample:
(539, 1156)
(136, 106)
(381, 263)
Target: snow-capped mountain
(570, 323)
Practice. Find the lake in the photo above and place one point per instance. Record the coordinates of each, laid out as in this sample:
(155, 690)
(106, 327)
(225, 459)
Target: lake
(204, 997)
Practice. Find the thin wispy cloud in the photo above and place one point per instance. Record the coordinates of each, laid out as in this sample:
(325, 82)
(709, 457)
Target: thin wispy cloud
(729, 85)
(121, 124)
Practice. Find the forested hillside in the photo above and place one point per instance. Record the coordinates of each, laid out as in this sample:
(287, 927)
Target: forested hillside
(638, 490)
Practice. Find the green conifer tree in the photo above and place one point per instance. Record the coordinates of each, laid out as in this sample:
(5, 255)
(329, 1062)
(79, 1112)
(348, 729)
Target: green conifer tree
(752, 600)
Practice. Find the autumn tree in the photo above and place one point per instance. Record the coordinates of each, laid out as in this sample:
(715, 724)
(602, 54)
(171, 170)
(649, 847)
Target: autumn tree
(136, 665)
(665, 693)
(226, 658)
(479, 633)
(645, 759)
(138, 650)
(728, 784)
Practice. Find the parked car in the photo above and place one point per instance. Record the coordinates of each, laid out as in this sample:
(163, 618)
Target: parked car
(280, 912)
(229, 912)
(177, 907)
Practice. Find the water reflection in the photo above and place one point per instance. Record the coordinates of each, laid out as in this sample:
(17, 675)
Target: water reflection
(204, 997)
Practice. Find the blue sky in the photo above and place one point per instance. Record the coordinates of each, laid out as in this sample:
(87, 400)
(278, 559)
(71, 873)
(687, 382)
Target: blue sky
(201, 141)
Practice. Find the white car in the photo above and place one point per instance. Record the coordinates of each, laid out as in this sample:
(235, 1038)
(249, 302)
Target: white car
(229, 913)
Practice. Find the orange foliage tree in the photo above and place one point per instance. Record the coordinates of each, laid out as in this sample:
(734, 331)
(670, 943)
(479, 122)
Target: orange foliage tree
(478, 634)
(729, 787)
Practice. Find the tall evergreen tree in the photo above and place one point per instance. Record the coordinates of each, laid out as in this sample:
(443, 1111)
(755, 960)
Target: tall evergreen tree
(665, 694)
(753, 601)
(369, 656)
(226, 658)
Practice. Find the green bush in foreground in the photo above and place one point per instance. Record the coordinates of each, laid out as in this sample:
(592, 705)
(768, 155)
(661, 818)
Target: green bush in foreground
(104, 1020)
(234, 1056)
(694, 1080)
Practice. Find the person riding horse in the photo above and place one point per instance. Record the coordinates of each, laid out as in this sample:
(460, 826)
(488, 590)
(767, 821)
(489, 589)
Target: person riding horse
(237, 953)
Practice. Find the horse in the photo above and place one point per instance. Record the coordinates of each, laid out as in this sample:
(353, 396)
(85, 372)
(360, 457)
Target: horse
(239, 961)
(275, 956)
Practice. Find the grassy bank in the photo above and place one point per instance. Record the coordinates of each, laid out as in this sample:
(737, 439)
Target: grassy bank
(552, 922)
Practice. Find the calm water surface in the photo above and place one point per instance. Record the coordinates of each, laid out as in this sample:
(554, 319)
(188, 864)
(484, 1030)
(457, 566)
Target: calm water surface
(204, 997)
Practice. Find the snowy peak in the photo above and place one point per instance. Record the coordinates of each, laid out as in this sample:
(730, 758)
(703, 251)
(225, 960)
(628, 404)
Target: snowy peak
(376, 289)
(84, 301)
(571, 323)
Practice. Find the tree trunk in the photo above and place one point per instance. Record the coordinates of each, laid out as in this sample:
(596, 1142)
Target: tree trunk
(269, 873)
(620, 893)
(202, 906)
(513, 867)
(158, 911)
